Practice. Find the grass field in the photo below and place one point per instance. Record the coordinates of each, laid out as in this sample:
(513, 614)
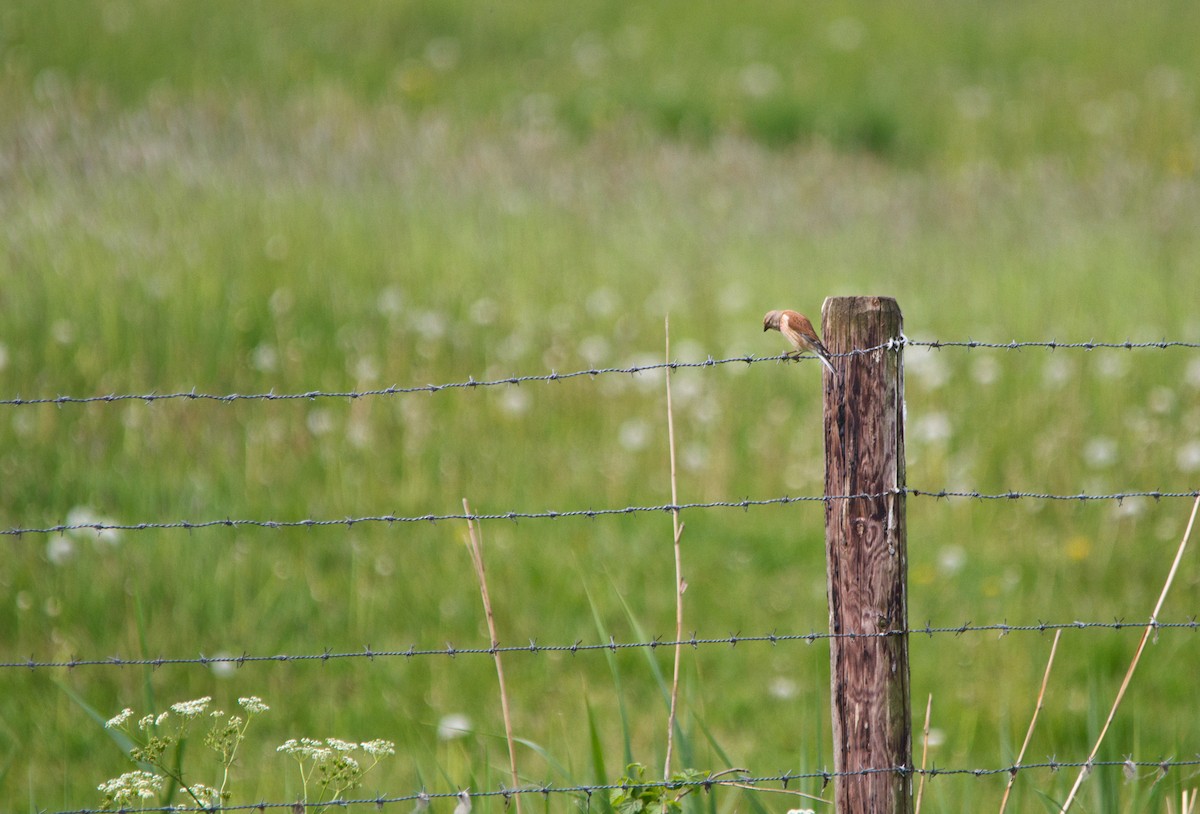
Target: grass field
(253, 197)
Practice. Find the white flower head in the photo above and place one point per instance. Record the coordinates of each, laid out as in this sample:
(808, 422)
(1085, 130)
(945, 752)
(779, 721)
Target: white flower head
(206, 795)
(308, 749)
(191, 709)
(379, 748)
(253, 704)
(340, 745)
(119, 719)
(131, 787)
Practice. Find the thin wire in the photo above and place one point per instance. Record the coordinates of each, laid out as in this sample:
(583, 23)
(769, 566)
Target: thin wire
(694, 641)
(554, 376)
(550, 514)
(740, 781)
(1052, 344)
(1013, 495)
(470, 383)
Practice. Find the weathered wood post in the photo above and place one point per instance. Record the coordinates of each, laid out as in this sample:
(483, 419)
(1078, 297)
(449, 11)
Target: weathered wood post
(867, 557)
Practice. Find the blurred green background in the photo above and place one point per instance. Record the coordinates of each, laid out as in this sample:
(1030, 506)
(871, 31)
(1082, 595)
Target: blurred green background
(247, 197)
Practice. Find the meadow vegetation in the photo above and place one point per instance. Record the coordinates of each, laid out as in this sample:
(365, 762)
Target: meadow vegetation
(247, 197)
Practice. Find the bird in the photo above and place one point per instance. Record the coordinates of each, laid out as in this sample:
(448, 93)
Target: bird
(799, 331)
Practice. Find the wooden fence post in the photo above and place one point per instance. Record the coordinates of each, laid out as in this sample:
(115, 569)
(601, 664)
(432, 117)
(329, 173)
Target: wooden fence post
(867, 557)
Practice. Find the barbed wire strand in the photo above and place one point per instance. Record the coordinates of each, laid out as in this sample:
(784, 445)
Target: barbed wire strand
(551, 514)
(740, 781)
(470, 383)
(1050, 344)
(554, 376)
(694, 641)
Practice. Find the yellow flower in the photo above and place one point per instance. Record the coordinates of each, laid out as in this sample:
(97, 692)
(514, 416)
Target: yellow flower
(1078, 548)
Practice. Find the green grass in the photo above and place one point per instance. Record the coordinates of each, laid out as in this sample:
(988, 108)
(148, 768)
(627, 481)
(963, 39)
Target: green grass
(234, 198)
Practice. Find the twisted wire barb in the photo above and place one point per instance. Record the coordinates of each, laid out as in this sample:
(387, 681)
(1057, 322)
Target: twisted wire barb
(551, 514)
(554, 376)
(740, 779)
(732, 640)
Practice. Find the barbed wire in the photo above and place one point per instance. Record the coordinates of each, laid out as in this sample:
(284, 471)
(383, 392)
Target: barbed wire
(554, 376)
(394, 390)
(694, 641)
(1051, 344)
(1014, 495)
(551, 514)
(740, 779)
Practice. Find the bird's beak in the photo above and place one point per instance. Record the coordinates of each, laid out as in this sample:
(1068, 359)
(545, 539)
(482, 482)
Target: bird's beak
(766, 327)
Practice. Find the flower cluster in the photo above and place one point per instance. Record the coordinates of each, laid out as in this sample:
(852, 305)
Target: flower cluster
(155, 737)
(330, 765)
(252, 704)
(191, 709)
(130, 788)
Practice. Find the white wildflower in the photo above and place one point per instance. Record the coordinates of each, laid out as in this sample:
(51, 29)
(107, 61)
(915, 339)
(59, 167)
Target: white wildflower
(223, 665)
(1100, 452)
(340, 745)
(951, 559)
(933, 428)
(59, 550)
(634, 434)
(1191, 374)
(131, 787)
(454, 725)
(1187, 458)
(206, 795)
(119, 719)
(253, 704)
(379, 748)
(783, 688)
(306, 748)
(146, 722)
(191, 709)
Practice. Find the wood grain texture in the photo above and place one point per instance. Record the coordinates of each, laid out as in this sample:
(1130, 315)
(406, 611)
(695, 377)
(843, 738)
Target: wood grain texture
(867, 558)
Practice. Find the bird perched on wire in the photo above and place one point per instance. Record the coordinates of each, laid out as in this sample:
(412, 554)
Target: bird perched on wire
(799, 331)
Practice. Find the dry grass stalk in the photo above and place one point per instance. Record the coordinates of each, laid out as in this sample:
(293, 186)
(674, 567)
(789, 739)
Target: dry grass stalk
(1012, 777)
(800, 794)
(476, 548)
(1187, 802)
(1150, 627)
(680, 585)
(924, 754)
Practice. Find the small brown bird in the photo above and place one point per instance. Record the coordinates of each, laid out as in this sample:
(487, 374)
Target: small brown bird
(799, 331)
